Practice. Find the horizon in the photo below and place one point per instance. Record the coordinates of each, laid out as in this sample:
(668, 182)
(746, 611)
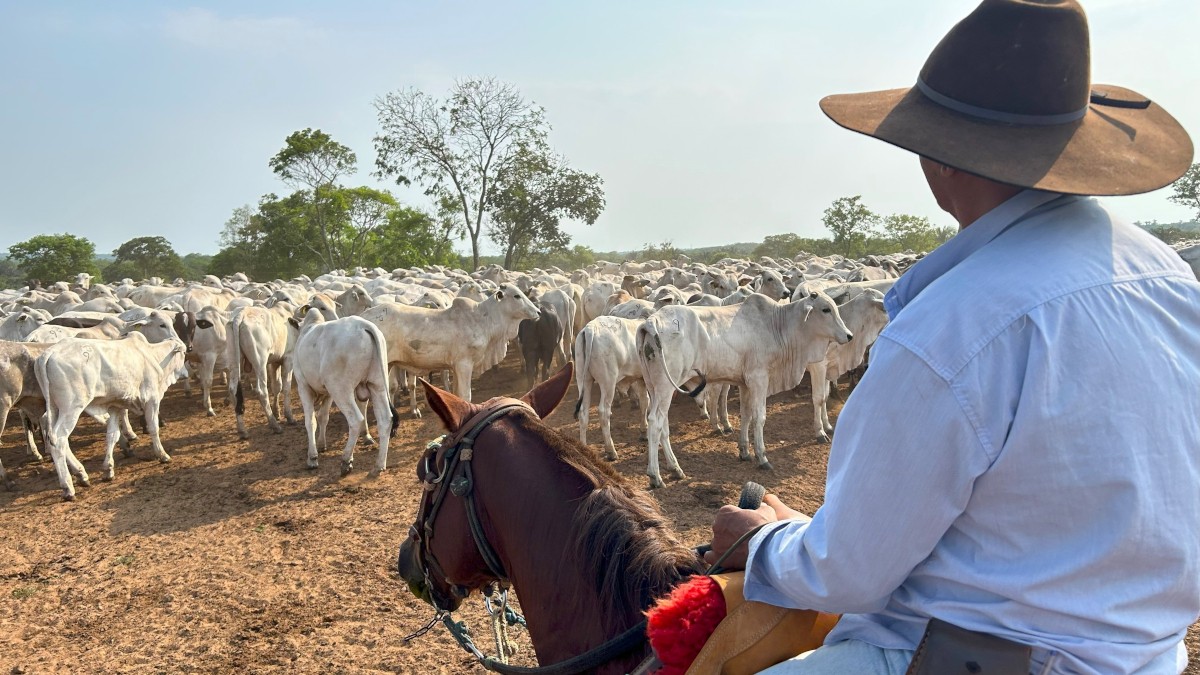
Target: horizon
(701, 118)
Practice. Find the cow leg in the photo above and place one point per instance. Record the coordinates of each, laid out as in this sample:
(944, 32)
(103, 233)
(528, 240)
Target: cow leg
(311, 422)
(151, 412)
(656, 421)
(187, 379)
(412, 401)
(285, 378)
(127, 429)
(669, 453)
(383, 422)
(8, 484)
(57, 445)
(112, 435)
(757, 393)
(266, 387)
(208, 363)
(642, 400)
(607, 392)
(820, 388)
(362, 407)
(462, 379)
(27, 426)
(323, 421)
(355, 421)
(825, 423)
(723, 410)
(744, 412)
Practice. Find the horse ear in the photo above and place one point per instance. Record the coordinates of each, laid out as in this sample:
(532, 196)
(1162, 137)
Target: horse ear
(546, 396)
(450, 408)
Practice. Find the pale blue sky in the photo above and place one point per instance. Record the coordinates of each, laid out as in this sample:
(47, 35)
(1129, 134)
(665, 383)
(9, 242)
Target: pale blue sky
(124, 119)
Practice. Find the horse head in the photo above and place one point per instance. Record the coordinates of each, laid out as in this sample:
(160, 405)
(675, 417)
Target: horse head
(443, 570)
(509, 500)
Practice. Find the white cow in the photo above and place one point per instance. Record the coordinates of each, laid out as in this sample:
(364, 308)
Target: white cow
(760, 345)
(262, 337)
(17, 326)
(865, 317)
(468, 337)
(19, 390)
(343, 362)
(209, 351)
(103, 376)
(606, 353)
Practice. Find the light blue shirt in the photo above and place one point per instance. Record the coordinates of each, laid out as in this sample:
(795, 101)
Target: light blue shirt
(1022, 458)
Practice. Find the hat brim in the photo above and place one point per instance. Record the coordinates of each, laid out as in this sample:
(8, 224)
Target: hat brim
(1110, 151)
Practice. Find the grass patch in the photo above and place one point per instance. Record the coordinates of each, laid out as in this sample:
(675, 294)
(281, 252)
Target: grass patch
(22, 592)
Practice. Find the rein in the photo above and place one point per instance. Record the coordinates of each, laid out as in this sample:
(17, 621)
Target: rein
(456, 477)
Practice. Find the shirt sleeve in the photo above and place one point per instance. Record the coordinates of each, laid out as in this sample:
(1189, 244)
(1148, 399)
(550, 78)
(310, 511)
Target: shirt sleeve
(901, 470)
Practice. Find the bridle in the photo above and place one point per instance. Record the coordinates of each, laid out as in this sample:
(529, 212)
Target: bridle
(454, 453)
(456, 477)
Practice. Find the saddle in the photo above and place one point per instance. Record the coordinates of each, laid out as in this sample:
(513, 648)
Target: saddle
(707, 627)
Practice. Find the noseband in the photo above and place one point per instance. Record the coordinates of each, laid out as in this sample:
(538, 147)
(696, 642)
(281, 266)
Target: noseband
(456, 477)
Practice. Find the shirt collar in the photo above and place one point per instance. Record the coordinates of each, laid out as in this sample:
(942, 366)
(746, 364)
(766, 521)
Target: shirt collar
(969, 240)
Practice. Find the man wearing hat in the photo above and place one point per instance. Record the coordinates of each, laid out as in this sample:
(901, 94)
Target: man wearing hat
(1022, 459)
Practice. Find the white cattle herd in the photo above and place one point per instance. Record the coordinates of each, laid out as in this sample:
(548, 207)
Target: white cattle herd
(355, 338)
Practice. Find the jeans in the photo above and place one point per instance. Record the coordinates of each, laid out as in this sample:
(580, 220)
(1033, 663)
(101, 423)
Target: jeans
(842, 658)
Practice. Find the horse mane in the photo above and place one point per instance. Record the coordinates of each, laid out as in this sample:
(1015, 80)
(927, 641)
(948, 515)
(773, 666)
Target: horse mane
(624, 543)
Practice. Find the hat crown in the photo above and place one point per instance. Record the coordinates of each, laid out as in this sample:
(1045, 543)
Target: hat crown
(1014, 57)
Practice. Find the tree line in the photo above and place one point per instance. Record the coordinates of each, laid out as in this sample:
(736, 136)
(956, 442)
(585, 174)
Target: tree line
(482, 155)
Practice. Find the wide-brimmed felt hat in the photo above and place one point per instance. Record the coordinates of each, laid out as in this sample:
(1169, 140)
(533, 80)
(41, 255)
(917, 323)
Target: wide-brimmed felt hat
(1007, 95)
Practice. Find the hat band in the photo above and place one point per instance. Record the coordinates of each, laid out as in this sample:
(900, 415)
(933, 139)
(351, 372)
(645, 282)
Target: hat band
(997, 115)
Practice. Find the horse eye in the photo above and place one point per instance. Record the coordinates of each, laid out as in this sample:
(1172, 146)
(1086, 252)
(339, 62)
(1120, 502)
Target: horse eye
(826, 310)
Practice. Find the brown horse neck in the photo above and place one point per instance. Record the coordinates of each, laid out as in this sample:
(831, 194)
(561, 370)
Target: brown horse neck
(587, 552)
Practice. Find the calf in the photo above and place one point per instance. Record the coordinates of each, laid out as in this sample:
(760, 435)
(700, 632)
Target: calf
(468, 337)
(865, 317)
(606, 353)
(540, 341)
(760, 346)
(103, 376)
(344, 362)
(262, 337)
(208, 352)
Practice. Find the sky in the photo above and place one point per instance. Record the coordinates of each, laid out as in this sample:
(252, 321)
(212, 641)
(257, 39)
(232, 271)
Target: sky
(134, 118)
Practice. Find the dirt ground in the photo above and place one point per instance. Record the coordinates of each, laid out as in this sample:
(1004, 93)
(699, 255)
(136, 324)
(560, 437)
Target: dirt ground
(236, 558)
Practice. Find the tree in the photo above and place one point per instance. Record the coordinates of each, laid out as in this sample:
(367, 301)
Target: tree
(664, 251)
(270, 244)
(410, 238)
(851, 223)
(532, 195)
(789, 245)
(313, 162)
(54, 257)
(914, 233)
(144, 257)
(456, 147)
(1187, 190)
(10, 274)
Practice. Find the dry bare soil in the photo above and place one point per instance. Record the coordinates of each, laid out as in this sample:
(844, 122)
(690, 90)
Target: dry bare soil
(234, 557)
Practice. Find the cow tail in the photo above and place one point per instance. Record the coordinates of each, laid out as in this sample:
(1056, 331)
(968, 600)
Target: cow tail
(235, 361)
(583, 379)
(382, 363)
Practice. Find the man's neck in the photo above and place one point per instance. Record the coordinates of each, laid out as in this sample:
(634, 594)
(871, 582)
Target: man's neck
(977, 196)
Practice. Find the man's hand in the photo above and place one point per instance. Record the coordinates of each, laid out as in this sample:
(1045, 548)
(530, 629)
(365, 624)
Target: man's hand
(731, 523)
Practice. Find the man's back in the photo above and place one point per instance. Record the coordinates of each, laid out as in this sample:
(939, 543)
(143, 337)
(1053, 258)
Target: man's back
(1071, 346)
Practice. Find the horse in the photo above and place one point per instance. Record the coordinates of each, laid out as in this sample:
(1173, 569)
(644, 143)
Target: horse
(508, 500)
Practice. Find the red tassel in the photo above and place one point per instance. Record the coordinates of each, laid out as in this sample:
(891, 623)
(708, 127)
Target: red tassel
(679, 624)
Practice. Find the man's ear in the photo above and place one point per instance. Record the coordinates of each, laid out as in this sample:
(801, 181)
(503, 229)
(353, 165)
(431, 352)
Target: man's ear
(545, 397)
(451, 409)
